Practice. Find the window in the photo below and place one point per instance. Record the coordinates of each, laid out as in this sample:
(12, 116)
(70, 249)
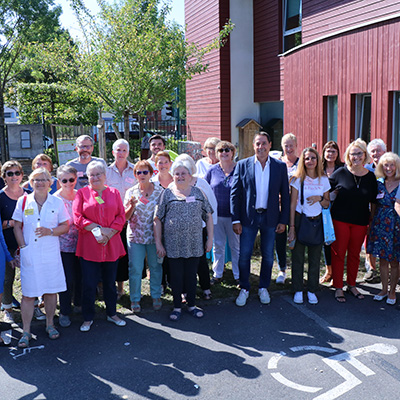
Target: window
(362, 116)
(291, 24)
(8, 115)
(396, 122)
(25, 139)
(332, 115)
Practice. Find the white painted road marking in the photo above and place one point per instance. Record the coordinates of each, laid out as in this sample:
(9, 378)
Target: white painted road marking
(336, 363)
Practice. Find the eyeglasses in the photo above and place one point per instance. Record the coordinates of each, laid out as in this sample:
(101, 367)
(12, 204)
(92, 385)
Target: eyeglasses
(84, 147)
(142, 172)
(310, 158)
(226, 150)
(359, 154)
(12, 173)
(95, 176)
(72, 180)
(40, 180)
(227, 181)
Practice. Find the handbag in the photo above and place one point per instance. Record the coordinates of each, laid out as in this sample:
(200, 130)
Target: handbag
(310, 232)
(329, 231)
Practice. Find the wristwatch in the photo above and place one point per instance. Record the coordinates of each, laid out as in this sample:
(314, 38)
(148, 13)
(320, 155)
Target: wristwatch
(52, 232)
(8, 224)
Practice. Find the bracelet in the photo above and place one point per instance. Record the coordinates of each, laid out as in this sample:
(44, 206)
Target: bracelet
(52, 232)
(21, 247)
(322, 199)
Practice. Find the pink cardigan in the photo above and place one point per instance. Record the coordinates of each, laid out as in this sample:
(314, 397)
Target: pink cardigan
(110, 214)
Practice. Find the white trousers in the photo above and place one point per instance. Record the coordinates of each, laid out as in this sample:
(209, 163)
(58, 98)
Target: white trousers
(224, 230)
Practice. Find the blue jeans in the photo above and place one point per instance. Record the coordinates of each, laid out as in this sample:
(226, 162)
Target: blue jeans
(137, 253)
(247, 239)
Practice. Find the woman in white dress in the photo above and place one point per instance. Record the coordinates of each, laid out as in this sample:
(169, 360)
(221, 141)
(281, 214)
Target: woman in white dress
(39, 219)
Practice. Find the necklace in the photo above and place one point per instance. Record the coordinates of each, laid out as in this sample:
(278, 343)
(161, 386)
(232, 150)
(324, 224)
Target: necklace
(357, 181)
(391, 185)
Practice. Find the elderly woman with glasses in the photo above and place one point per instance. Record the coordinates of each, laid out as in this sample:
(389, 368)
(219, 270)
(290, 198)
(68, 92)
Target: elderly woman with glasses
(140, 202)
(219, 177)
(44, 218)
(356, 189)
(179, 235)
(204, 164)
(67, 177)
(12, 174)
(100, 217)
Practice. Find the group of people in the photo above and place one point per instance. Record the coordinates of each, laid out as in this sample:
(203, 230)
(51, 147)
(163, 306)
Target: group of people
(94, 226)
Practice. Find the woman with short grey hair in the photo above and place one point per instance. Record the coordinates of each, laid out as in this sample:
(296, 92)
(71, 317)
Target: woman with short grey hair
(179, 236)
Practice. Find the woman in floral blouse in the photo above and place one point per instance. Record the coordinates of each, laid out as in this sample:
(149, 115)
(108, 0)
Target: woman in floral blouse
(140, 202)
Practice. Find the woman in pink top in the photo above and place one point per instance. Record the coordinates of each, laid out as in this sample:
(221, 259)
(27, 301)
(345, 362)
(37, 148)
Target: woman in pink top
(99, 216)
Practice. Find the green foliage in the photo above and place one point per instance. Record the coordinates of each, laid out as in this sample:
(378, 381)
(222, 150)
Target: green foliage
(56, 104)
(51, 153)
(133, 57)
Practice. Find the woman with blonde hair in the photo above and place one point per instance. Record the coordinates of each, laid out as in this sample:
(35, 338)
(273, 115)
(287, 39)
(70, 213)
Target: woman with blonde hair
(356, 189)
(204, 164)
(309, 193)
(384, 240)
(44, 218)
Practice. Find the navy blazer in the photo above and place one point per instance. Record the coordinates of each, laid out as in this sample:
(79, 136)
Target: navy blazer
(243, 193)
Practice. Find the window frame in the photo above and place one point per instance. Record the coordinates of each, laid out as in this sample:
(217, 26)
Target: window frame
(24, 140)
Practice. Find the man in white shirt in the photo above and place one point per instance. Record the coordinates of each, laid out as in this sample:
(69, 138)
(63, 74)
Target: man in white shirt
(257, 184)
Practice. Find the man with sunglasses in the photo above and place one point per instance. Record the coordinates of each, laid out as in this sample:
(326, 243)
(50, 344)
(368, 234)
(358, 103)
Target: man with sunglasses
(258, 183)
(84, 148)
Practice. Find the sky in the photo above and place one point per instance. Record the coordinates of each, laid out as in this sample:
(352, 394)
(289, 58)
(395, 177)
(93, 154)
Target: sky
(68, 19)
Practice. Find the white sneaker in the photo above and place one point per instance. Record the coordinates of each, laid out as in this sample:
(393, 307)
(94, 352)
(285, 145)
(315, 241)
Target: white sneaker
(312, 298)
(281, 277)
(298, 298)
(264, 296)
(8, 317)
(37, 313)
(242, 298)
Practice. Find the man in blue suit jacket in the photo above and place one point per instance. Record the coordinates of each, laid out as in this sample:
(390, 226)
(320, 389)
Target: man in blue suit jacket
(259, 202)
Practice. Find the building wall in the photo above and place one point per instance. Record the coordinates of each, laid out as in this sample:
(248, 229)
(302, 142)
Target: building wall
(325, 17)
(14, 140)
(268, 67)
(242, 66)
(208, 94)
(366, 60)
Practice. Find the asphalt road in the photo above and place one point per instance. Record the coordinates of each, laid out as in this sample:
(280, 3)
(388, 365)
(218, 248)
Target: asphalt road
(276, 351)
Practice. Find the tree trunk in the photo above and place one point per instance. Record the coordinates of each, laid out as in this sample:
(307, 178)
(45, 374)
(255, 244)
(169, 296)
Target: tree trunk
(2, 131)
(54, 137)
(116, 130)
(126, 125)
(102, 138)
(156, 120)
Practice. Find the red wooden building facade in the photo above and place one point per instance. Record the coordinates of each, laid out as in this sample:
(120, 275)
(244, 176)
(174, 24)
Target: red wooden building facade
(340, 80)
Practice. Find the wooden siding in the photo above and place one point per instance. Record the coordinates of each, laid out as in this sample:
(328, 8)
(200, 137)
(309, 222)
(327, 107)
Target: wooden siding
(364, 61)
(324, 17)
(208, 94)
(267, 46)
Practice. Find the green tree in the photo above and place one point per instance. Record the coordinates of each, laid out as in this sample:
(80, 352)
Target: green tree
(132, 58)
(21, 22)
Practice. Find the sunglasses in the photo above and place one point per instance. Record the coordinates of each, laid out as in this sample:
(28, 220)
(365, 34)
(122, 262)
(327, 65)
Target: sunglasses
(142, 172)
(72, 180)
(226, 150)
(11, 173)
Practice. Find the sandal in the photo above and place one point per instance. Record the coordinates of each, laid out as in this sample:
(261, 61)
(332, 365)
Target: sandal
(207, 295)
(325, 278)
(157, 304)
(23, 343)
(175, 315)
(357, 294)
(135, 307)
(52, 332)
(196, 312)
(340, 298)
(215, 281)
